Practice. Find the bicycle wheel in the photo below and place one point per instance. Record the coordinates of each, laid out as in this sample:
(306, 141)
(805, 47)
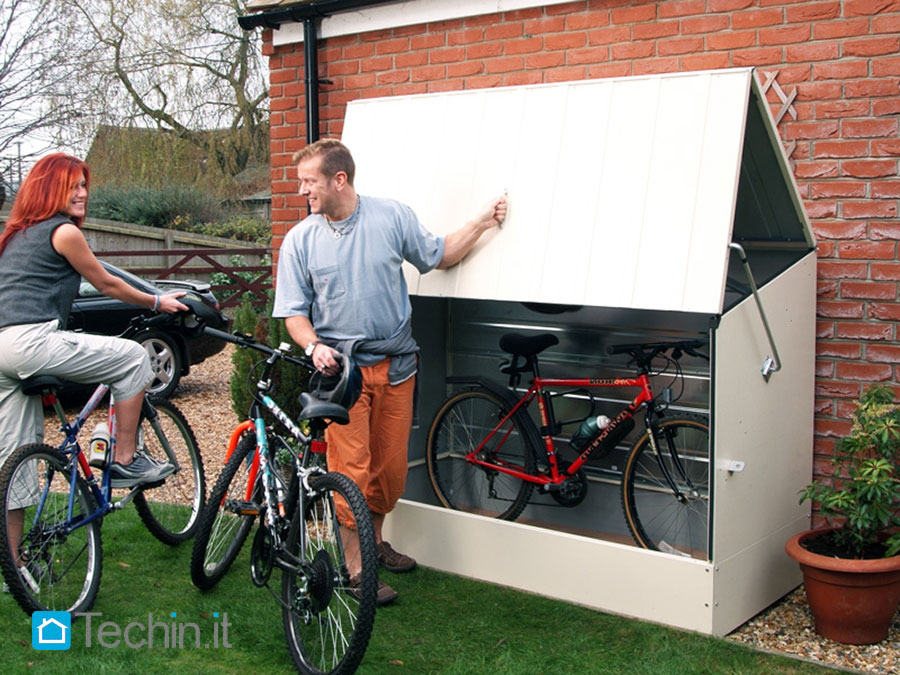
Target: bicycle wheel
(226, 519)
(460, 425)
(658, 520)
(171, 509)
(62, 565)
(328, 622)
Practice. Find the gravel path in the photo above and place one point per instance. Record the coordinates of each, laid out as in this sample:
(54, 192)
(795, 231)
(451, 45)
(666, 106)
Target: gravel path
(786, 627)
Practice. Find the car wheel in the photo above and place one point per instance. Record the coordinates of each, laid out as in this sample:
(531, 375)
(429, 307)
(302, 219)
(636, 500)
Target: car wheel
(166, 360)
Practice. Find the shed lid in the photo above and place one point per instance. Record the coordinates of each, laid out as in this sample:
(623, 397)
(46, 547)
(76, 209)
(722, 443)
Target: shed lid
(623, 192)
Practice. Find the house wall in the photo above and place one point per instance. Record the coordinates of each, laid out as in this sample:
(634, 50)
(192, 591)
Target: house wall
(834, 71)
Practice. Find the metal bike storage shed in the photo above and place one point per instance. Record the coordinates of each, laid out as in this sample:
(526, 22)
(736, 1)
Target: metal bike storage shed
(634, 204)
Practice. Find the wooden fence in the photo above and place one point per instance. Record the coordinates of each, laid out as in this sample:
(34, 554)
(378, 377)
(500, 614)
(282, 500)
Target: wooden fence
(229, 281)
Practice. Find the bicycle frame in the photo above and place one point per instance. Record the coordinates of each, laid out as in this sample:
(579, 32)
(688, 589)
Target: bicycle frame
(539, 390)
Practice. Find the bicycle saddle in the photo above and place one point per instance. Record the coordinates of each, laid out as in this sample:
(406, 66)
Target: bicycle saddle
(313, 408)
(527, 345)
(35, 385)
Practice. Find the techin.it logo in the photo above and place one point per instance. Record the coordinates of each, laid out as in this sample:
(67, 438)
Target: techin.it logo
(51, 630)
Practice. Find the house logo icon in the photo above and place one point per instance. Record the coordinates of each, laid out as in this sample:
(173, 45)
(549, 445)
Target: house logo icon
(51, 630)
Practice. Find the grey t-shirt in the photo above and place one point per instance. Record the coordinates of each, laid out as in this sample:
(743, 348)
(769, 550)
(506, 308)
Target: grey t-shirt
(352, 287)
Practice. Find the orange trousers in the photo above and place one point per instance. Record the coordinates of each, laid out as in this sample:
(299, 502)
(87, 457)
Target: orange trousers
(372, 448)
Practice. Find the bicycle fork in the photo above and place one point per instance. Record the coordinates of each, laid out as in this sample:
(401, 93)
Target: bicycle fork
(652, 431)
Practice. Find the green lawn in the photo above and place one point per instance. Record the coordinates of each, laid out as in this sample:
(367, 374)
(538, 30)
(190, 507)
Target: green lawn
(441, 624)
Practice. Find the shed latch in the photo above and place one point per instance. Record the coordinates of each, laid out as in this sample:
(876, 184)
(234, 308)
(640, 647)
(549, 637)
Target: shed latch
(771, 363)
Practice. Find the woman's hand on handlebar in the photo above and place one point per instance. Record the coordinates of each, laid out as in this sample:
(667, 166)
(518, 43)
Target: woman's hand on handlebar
(169, 303)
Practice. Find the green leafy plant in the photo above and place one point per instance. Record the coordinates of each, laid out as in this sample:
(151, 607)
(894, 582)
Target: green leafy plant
(862, 499)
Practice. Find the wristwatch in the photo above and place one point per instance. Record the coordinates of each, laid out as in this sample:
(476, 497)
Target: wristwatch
(310, 348)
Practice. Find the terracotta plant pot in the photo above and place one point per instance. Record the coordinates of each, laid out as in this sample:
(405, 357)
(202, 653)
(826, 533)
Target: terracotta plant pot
(852, 601)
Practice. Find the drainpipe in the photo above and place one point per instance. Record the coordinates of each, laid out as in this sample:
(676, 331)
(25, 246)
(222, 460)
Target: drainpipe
(311, 67)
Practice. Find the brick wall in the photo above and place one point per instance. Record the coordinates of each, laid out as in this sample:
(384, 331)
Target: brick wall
(842, 58)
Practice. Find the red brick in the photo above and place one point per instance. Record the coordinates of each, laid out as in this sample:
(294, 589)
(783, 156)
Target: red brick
(731, 40)
(844, 188)
(866, 88)
(824, 369)
(841, 149)
(545, 60)
(825, 249)
(465, 69)
(633, 50)
(523, 78)
(826, 289)
(843, 350)
(821, 209)
(889, 148)
(554, 24)
(359, 81)
(835, 269)
(393, 77)
(886, 24)
(484, 51)
(470, 36)
(885, 67)
(339, 68)
(819, 91)
(811, 130)
(605, 36)
(885, 271)
(654, 30)
(729, 5)
(446, 85)
(865, 372)
(837, 389)
(767, 56)
(842, 28)
(634, 14)
(451, 55)
(282, 104)
(841, 70)
(885, 189)
(757, 18)
(704, 24)
(427, 73)
(884, 311)
(823, 407)
(871, 46)
(587, 20)
(434, 41)
(883, 353)
(561, 41)
(359, 51)
(503, 31)
(812, 12)
(656, 66)
(681, 8)
(865, 331)
(619, 69)
(869, 168)
(868, 290)
(705, 62)
(834, 428)
(587, 56)
(566, 74)
(868, 7)
(814, 51)
(875, 250)
(679, 46)
(868, 128)
(379, 63)
(784, 35)
(827, 309)
(869, 209)
(824, 329)
(819, 169)
(567, 8)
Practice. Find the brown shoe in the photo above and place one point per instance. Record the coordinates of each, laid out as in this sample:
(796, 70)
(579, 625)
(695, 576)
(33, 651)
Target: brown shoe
(393, 561)
(385, 595)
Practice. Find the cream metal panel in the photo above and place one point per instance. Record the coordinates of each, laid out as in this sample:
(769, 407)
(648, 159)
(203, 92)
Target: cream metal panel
(612, 577)
(622, 191)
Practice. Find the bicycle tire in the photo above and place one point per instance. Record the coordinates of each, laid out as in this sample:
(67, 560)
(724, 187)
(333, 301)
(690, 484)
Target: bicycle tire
(463, 421)
(656, 519)
(171, 511)
(327, 624)
(222, 529)
(65, 566)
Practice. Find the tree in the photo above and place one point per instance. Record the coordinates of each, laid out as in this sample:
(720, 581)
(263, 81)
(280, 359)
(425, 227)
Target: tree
(32, 49)
(182, 66)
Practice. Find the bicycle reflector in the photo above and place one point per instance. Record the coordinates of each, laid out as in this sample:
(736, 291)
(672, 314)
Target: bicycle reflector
(342, 388)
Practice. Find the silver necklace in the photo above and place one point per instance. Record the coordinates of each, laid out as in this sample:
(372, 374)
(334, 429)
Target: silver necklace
(349, 224)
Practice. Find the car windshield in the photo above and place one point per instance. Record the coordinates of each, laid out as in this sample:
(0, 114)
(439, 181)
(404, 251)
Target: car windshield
(86, 288)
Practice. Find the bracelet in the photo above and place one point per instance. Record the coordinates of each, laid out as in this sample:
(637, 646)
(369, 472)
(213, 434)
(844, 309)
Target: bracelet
(155, 302)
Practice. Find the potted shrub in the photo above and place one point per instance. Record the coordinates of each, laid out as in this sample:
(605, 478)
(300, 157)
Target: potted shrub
(851, 570)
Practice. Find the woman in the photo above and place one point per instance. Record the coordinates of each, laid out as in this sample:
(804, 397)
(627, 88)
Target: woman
(43, 254)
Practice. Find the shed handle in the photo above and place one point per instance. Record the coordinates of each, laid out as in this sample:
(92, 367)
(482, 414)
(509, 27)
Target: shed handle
(771, 364)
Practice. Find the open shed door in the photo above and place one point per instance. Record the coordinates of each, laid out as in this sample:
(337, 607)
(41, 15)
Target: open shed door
(627, 198)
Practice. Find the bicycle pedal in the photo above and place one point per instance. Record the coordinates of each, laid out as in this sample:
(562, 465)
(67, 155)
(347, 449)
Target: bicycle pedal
(247, 508)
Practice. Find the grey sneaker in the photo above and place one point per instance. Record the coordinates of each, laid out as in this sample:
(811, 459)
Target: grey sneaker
(141, 470)
(166, 468)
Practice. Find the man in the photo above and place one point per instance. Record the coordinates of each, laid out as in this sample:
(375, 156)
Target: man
(340, 283)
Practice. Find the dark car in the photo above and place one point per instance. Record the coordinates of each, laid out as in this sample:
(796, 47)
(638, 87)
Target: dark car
(173, 346)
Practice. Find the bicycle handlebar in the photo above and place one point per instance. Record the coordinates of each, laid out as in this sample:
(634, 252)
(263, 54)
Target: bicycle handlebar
(644, 352)
(243, 340)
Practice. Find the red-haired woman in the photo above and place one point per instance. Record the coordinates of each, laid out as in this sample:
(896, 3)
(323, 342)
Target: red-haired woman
(43, 255)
